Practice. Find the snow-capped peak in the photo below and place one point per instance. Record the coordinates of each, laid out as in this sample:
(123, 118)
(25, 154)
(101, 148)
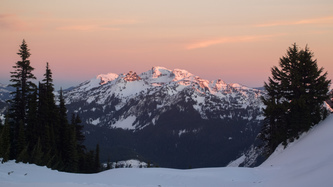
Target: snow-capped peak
(158, 71)
(162, 74)
(157, 75)
(97, 81)
(167, 87)
(105, 78)
(182, 74)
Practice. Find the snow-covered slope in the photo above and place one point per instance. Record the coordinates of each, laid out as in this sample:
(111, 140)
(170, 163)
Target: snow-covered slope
(158, 89)
(308, 162)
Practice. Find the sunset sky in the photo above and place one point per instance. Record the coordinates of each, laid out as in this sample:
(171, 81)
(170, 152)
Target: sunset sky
(238, 41)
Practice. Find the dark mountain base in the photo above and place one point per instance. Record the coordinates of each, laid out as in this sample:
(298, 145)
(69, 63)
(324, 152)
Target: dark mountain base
(215, 145)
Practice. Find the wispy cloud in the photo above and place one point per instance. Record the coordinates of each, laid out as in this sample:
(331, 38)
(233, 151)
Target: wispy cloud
(232, 39)
(86, 28)
(12, 22)
(97, 25)
(322, 20)
(124, 22)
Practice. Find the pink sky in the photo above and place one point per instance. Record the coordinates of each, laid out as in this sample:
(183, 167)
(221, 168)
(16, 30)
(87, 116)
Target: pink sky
(237, 41)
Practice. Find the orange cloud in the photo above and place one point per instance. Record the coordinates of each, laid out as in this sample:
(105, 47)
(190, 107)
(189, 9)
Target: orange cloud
(322, 20)
(233, 39)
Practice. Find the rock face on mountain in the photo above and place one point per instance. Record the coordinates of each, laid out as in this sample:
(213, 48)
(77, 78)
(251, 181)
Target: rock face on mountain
(170, 117)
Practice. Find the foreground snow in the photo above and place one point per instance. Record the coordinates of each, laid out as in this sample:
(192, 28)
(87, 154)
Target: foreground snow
(306, 162)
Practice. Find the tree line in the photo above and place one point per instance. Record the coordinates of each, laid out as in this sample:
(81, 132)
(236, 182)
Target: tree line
(36, 129)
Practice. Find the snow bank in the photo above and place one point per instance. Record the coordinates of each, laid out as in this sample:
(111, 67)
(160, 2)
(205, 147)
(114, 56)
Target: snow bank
(306, 162)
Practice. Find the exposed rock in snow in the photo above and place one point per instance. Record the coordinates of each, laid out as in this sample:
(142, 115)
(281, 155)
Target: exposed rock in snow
(131, 76)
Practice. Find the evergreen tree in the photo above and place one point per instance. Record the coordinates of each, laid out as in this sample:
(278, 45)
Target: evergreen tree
(64, 128)
(23, 156)
(75, 120)
(89, 162)
(50, 115)
(36, 130)
(21, 80)
(32, 121)
(97, 161)
(108, 164)
(79, 130)
(73, 158)
(37, 153)
(86, 160)
(295, 96)
(1, 126)
(5, 141)
(21, 142)
(48, 81)
(62, 107)
(44, 127)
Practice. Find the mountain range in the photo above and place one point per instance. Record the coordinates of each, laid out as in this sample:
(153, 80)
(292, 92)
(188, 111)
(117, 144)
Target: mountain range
(171, 118)
(167, 118)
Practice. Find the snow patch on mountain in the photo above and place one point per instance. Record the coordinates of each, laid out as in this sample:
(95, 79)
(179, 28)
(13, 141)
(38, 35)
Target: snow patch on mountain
(94, 122)
(126, 124)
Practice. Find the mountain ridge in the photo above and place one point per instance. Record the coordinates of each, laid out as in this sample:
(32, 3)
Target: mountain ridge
(164, 116)
(164, 81)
